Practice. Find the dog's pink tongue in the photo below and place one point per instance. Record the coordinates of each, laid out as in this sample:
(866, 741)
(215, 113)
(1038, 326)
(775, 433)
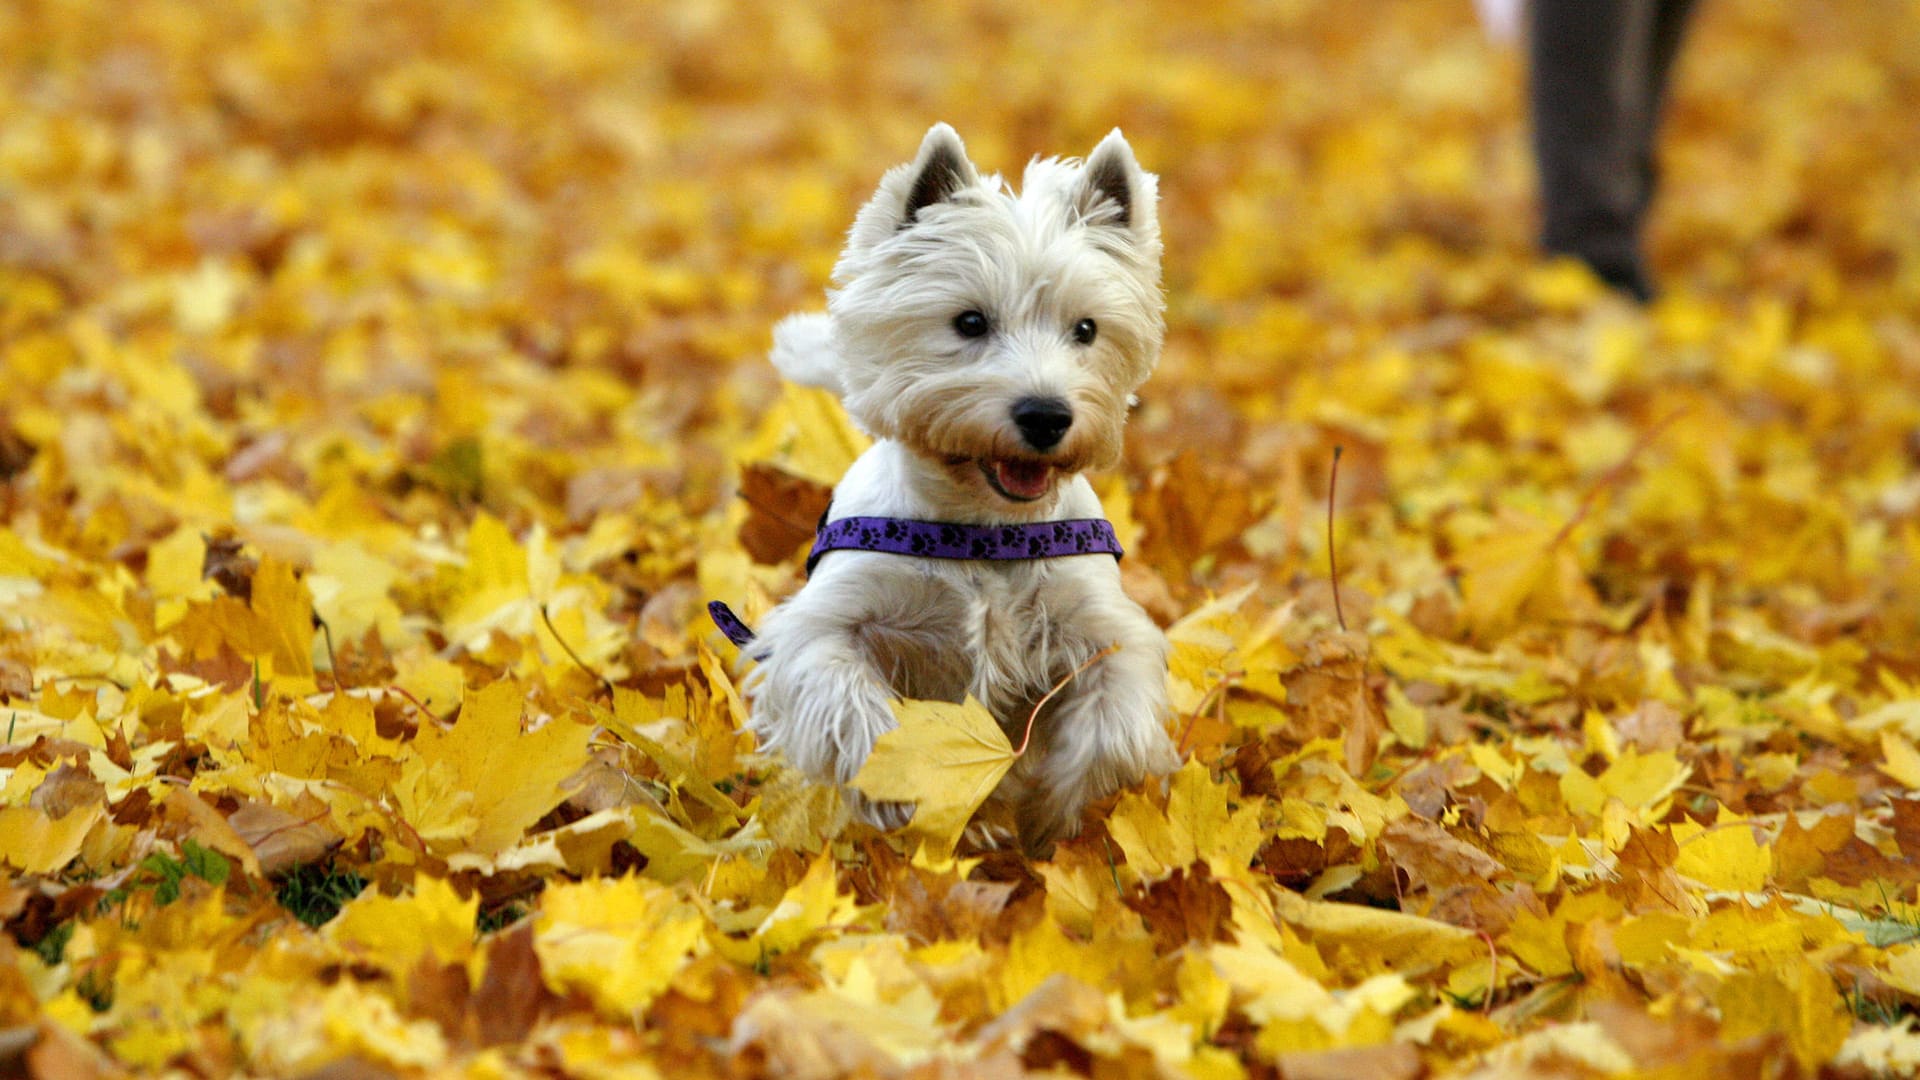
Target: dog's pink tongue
(1027, 479)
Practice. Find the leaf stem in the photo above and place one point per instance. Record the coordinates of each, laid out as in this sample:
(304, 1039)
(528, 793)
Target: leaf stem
(604, 682)
(417, 703)
(1493, 972)
(333, 664)
(1333, 559)
(1215, 695)
(1057, 687)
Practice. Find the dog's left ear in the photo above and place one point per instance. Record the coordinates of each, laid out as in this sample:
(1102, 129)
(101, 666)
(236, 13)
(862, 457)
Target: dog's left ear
(1114, 191)
(938, 170)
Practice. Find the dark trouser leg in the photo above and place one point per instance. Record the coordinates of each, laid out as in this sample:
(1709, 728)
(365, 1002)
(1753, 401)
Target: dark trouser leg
(1669, 27)
(1599, 70)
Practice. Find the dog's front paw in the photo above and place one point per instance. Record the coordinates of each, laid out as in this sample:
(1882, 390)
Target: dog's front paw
(1047, 818)
(1162, 759)
(989, 836)
(878, 813)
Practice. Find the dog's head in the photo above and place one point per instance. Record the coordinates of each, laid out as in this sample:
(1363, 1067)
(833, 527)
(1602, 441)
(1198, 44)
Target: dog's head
(1001, 334)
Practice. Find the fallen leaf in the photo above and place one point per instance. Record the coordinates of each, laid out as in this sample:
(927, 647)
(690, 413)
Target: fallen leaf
(477, 786)
(946, 759)
(33, 843)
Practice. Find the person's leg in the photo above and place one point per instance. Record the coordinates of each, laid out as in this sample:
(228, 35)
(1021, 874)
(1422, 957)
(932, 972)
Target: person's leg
(1591, 89)
(1669, 27)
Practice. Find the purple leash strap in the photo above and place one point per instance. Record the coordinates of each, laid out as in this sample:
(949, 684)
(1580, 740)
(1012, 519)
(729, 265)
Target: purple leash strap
(944, 540)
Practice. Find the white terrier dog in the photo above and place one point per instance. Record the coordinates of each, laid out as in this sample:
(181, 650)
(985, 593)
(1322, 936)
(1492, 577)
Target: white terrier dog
(991, 343)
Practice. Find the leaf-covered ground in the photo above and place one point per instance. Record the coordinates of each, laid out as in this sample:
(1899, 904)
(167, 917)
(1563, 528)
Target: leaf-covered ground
(382, 393)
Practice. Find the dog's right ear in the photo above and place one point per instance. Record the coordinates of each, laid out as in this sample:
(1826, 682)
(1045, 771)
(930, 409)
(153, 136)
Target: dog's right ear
(1115, 190)
(940, 169)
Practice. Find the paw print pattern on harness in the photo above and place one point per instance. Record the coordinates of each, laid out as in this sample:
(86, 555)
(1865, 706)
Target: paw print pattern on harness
(943, 540)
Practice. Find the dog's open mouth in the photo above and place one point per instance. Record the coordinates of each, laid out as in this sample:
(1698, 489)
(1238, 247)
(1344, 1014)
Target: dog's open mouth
(1019, 479)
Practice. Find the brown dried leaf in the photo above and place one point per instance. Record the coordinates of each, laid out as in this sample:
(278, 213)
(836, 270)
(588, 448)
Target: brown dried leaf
(1332, 695)
(1193, 505)
(282, 839)
(228, 566)
(1647, 880)
(782, 511)
(1906, 825)
(928, 908)
(1187, 908)
(66, 789)
(511, 997)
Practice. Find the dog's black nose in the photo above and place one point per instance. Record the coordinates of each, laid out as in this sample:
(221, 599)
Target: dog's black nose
(1042, 421)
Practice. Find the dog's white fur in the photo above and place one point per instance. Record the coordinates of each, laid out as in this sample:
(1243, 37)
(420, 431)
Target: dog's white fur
(1079, 241)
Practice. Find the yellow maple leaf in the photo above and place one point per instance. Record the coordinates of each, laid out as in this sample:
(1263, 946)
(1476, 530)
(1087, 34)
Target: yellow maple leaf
(1407, 721)
(173, 572)
(494, 562)
(1041, 952)
(1295, 1011)
(1196, 825)
(397, 932)
(1203, 994)
(673, 854)
(1793, 997)
(1643, 782)
(811, 905)
(35, 844)
(944, 758)
(1154, 847)
(18, 559)
(687, 752)
(503, 584)
(477, 786)
(351, 591)
(434, 681)
(1376, 938)
(807, 433)
(1725, 855)
(353, 718)
(359, 1020)
(205, 298)
(1540, 941)
(1523, 568)
(1080, 887)
(581, 847)
(1900, 760)
(1204, 643)
(617, 940)
(1757, 934)
(284, 609)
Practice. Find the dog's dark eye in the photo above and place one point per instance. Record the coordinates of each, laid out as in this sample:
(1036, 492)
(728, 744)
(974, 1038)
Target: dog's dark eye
(1084, 331)
(970, 324)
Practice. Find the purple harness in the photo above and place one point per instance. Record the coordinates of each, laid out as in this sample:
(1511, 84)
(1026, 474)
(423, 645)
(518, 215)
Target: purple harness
(943, 540)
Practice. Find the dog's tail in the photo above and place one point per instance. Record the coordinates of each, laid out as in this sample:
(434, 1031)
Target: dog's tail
(803, 351)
